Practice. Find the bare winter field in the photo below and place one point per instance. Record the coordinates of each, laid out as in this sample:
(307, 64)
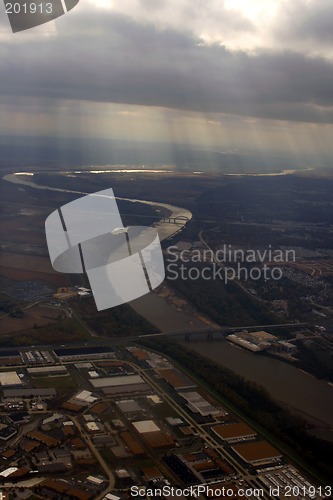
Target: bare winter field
(33, 317)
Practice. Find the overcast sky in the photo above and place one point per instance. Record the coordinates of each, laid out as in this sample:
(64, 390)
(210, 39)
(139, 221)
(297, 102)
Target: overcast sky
(226, 74)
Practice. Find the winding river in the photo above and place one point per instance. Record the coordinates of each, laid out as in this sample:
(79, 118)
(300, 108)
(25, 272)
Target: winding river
(165, 230)
(300, 392)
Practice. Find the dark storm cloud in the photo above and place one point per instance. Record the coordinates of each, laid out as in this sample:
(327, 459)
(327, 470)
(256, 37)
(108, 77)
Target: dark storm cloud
(103, 57)
(307, 21)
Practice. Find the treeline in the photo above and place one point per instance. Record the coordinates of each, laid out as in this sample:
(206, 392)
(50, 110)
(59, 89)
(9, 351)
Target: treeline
(315, 358)
(253, 401)
(66, 330)
(116, 322)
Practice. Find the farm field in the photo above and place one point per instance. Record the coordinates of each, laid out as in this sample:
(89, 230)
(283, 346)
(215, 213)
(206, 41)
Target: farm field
(32, 317)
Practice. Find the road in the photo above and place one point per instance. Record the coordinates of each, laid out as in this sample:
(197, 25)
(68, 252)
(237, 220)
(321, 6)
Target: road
(201, 431)
(99, 457)
(107, 341)
(24, 308)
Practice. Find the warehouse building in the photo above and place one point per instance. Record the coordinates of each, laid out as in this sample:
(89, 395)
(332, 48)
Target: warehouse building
(198, 404)
(77, 353)
(257, 453)
(176, 379)
(28, 393)
(129, 406)
(116, 381)
(48, 370)
(153, 435)
(234, 432)
(134, 389)
(10, 379)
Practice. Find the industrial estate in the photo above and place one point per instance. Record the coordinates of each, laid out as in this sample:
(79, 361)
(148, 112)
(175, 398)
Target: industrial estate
(96, 421)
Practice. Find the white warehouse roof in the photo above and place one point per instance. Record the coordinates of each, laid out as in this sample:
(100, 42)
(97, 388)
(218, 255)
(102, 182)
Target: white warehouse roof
(143, 426)
(10, 378)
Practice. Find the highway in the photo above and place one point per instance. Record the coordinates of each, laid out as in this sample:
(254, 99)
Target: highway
(111, 341)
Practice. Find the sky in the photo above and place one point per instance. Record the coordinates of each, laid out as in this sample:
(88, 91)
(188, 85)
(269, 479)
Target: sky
(220, 74)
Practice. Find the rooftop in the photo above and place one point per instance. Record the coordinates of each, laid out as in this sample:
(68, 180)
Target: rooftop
(227, 431)
(10, 378)
(176, 379)
(116, 381)
(257, 451)
(143, 426)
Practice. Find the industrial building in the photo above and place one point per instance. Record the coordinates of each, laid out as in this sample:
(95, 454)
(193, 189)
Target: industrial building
(116, 381)
(198, 404)
(154, 399)
(28, 393)
(99, 408)
(132, 444)
(153, 435)
(158, 440)
(129, 406)
(284, 346)
(138, 353)
(77, 353)
(93, 427)
(7, 432)
(10, 379)
(176, 379)
(257, 453)
(48, 370)
(143, 426)
(253, 341)
(36, 357)
(85, 397)
(126, 389)
(236, 339)
(234, 432)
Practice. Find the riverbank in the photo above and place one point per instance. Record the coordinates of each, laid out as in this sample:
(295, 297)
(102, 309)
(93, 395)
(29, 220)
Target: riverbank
(307, 396)
(302, 394)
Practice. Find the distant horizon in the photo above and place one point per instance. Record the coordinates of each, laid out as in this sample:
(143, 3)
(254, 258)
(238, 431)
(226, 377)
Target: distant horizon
(58, 153)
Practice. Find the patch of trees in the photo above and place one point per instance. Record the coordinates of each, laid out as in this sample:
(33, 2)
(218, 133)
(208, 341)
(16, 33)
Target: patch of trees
(315, 358)
(66, 330)
(116, 322)
(226, 304)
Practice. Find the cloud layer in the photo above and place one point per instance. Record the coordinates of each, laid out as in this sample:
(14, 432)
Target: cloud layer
(203, 70)
(122, 61)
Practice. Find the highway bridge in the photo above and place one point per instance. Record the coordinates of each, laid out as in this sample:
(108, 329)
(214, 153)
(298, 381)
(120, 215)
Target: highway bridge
(210, 333)
(179, 220)
(223, 331)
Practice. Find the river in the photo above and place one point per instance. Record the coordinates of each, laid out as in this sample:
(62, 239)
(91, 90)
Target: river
(151, 306)
(165, 230)
(299, 391)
